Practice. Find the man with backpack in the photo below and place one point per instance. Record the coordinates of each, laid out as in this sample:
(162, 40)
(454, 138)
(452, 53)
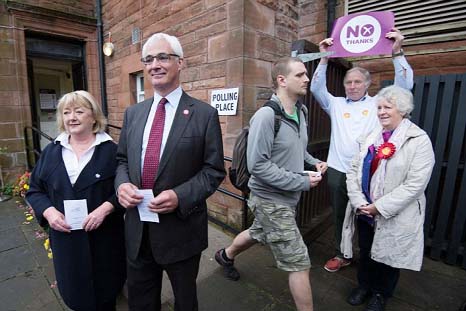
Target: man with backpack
(276, 163)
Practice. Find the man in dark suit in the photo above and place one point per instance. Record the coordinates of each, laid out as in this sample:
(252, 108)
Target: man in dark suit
(172, 144)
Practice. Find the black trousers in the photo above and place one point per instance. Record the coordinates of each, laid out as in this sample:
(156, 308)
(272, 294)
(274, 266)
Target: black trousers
(145, 280)
(338, 199)
(377, 277)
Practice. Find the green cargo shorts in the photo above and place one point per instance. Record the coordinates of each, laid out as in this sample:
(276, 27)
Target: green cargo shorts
(275, 225)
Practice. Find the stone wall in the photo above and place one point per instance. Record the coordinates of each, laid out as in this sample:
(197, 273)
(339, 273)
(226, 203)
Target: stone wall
(49, 17)
(226, 44)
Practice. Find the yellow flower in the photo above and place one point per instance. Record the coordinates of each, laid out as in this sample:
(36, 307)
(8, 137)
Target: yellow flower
(50, 255)
(26, 186)
(386, 151)
(29, 218)
(46, 244)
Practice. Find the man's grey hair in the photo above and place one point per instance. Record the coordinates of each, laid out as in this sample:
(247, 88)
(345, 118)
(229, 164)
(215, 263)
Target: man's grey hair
(362, 71)
(156, 37)
(398, 96)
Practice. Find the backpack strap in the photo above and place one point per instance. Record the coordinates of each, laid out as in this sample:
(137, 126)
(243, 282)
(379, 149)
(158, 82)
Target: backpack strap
(277, 117)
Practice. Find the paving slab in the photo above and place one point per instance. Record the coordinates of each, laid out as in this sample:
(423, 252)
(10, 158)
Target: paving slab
(29, 291)
(11, 238)
(26, 275)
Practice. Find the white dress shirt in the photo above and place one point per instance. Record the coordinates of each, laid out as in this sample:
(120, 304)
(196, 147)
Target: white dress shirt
(170, 110)
(73, 165)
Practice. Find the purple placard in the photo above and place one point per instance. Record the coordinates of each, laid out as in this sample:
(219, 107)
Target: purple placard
(362, 34)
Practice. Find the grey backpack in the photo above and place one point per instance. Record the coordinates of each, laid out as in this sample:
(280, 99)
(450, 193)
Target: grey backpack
(238, 172)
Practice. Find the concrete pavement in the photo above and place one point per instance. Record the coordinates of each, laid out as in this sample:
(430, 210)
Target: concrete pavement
(26, 276)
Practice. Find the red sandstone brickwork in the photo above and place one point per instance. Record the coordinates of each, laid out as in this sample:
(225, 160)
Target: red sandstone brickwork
(227, 43)
(39, 16)
(75, 7)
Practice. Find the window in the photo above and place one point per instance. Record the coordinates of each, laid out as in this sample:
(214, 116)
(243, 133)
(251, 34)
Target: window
(136, 87)
(140, 87)
(423, 21)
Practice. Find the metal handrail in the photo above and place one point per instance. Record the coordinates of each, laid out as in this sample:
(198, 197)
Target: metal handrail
(242, 198)
(32, 149)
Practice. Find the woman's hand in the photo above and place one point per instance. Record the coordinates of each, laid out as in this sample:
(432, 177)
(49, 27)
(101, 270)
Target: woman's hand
(322, 167)
(56, 219)
(369, 210)
(96, 218)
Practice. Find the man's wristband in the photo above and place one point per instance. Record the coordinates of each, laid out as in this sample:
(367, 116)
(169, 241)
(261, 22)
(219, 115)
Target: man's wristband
(400, 53)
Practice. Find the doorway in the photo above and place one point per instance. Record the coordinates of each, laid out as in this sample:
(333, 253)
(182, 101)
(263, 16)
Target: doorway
(55, 67)
(51, 80)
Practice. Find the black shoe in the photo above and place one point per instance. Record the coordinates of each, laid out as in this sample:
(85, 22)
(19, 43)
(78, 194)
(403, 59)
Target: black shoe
(229, 269)
(377, 303)
(358, 296)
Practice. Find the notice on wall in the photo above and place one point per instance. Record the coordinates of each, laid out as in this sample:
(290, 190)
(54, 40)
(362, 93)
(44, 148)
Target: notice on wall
(225, 101)
(47, 99)
(362, 34)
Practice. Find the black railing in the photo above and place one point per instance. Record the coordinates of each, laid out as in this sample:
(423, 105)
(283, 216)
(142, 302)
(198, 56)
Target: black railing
(36, 151)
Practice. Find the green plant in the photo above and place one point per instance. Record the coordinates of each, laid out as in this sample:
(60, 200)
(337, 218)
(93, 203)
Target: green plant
(7, 189)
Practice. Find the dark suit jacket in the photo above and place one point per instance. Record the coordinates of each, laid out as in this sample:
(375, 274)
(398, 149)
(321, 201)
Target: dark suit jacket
(191, 164)
(89, 266)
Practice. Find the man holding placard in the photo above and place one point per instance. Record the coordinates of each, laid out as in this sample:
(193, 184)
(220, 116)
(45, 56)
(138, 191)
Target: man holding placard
(351, 117)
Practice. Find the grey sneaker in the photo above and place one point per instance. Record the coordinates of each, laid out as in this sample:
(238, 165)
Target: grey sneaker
(229, 269)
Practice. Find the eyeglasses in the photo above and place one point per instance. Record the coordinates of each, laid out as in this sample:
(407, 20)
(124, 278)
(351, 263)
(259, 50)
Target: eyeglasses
(161, 58)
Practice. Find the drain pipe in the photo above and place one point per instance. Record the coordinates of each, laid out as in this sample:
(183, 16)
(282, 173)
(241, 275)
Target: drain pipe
(103, 84)
(331, 4)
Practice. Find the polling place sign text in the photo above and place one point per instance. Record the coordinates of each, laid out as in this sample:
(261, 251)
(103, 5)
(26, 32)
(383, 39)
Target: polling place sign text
(225, 101)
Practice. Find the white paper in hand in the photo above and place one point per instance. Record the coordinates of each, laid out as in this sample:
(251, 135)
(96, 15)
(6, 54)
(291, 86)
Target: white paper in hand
(75, 213)
(144, 212)
(314, 173)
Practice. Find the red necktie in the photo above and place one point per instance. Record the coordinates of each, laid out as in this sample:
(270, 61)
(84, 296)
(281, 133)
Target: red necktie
(152, 156)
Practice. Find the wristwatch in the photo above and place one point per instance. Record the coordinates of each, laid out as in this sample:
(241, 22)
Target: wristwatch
(400, 53)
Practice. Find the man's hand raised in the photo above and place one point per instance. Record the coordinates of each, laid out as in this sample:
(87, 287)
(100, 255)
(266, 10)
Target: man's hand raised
(397, 37)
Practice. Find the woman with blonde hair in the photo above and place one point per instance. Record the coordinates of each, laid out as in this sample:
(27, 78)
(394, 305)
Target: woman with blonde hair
(76, 172)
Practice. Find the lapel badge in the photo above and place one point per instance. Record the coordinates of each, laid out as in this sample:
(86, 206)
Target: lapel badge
(186, 112)
(97, 175)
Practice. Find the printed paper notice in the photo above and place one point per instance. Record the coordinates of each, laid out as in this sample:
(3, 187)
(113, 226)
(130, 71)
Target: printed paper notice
(75, 213)
(145, 213)
(225, 101)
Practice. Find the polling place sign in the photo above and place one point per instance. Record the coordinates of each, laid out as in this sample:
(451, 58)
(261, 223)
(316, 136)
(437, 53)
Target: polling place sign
(225, 101)
(362, 34)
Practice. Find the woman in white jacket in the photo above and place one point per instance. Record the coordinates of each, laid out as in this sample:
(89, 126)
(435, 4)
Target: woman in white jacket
(386, 185)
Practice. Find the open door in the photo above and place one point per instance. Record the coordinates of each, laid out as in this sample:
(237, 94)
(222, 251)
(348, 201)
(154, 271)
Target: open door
(79, 77)
(55, 67)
